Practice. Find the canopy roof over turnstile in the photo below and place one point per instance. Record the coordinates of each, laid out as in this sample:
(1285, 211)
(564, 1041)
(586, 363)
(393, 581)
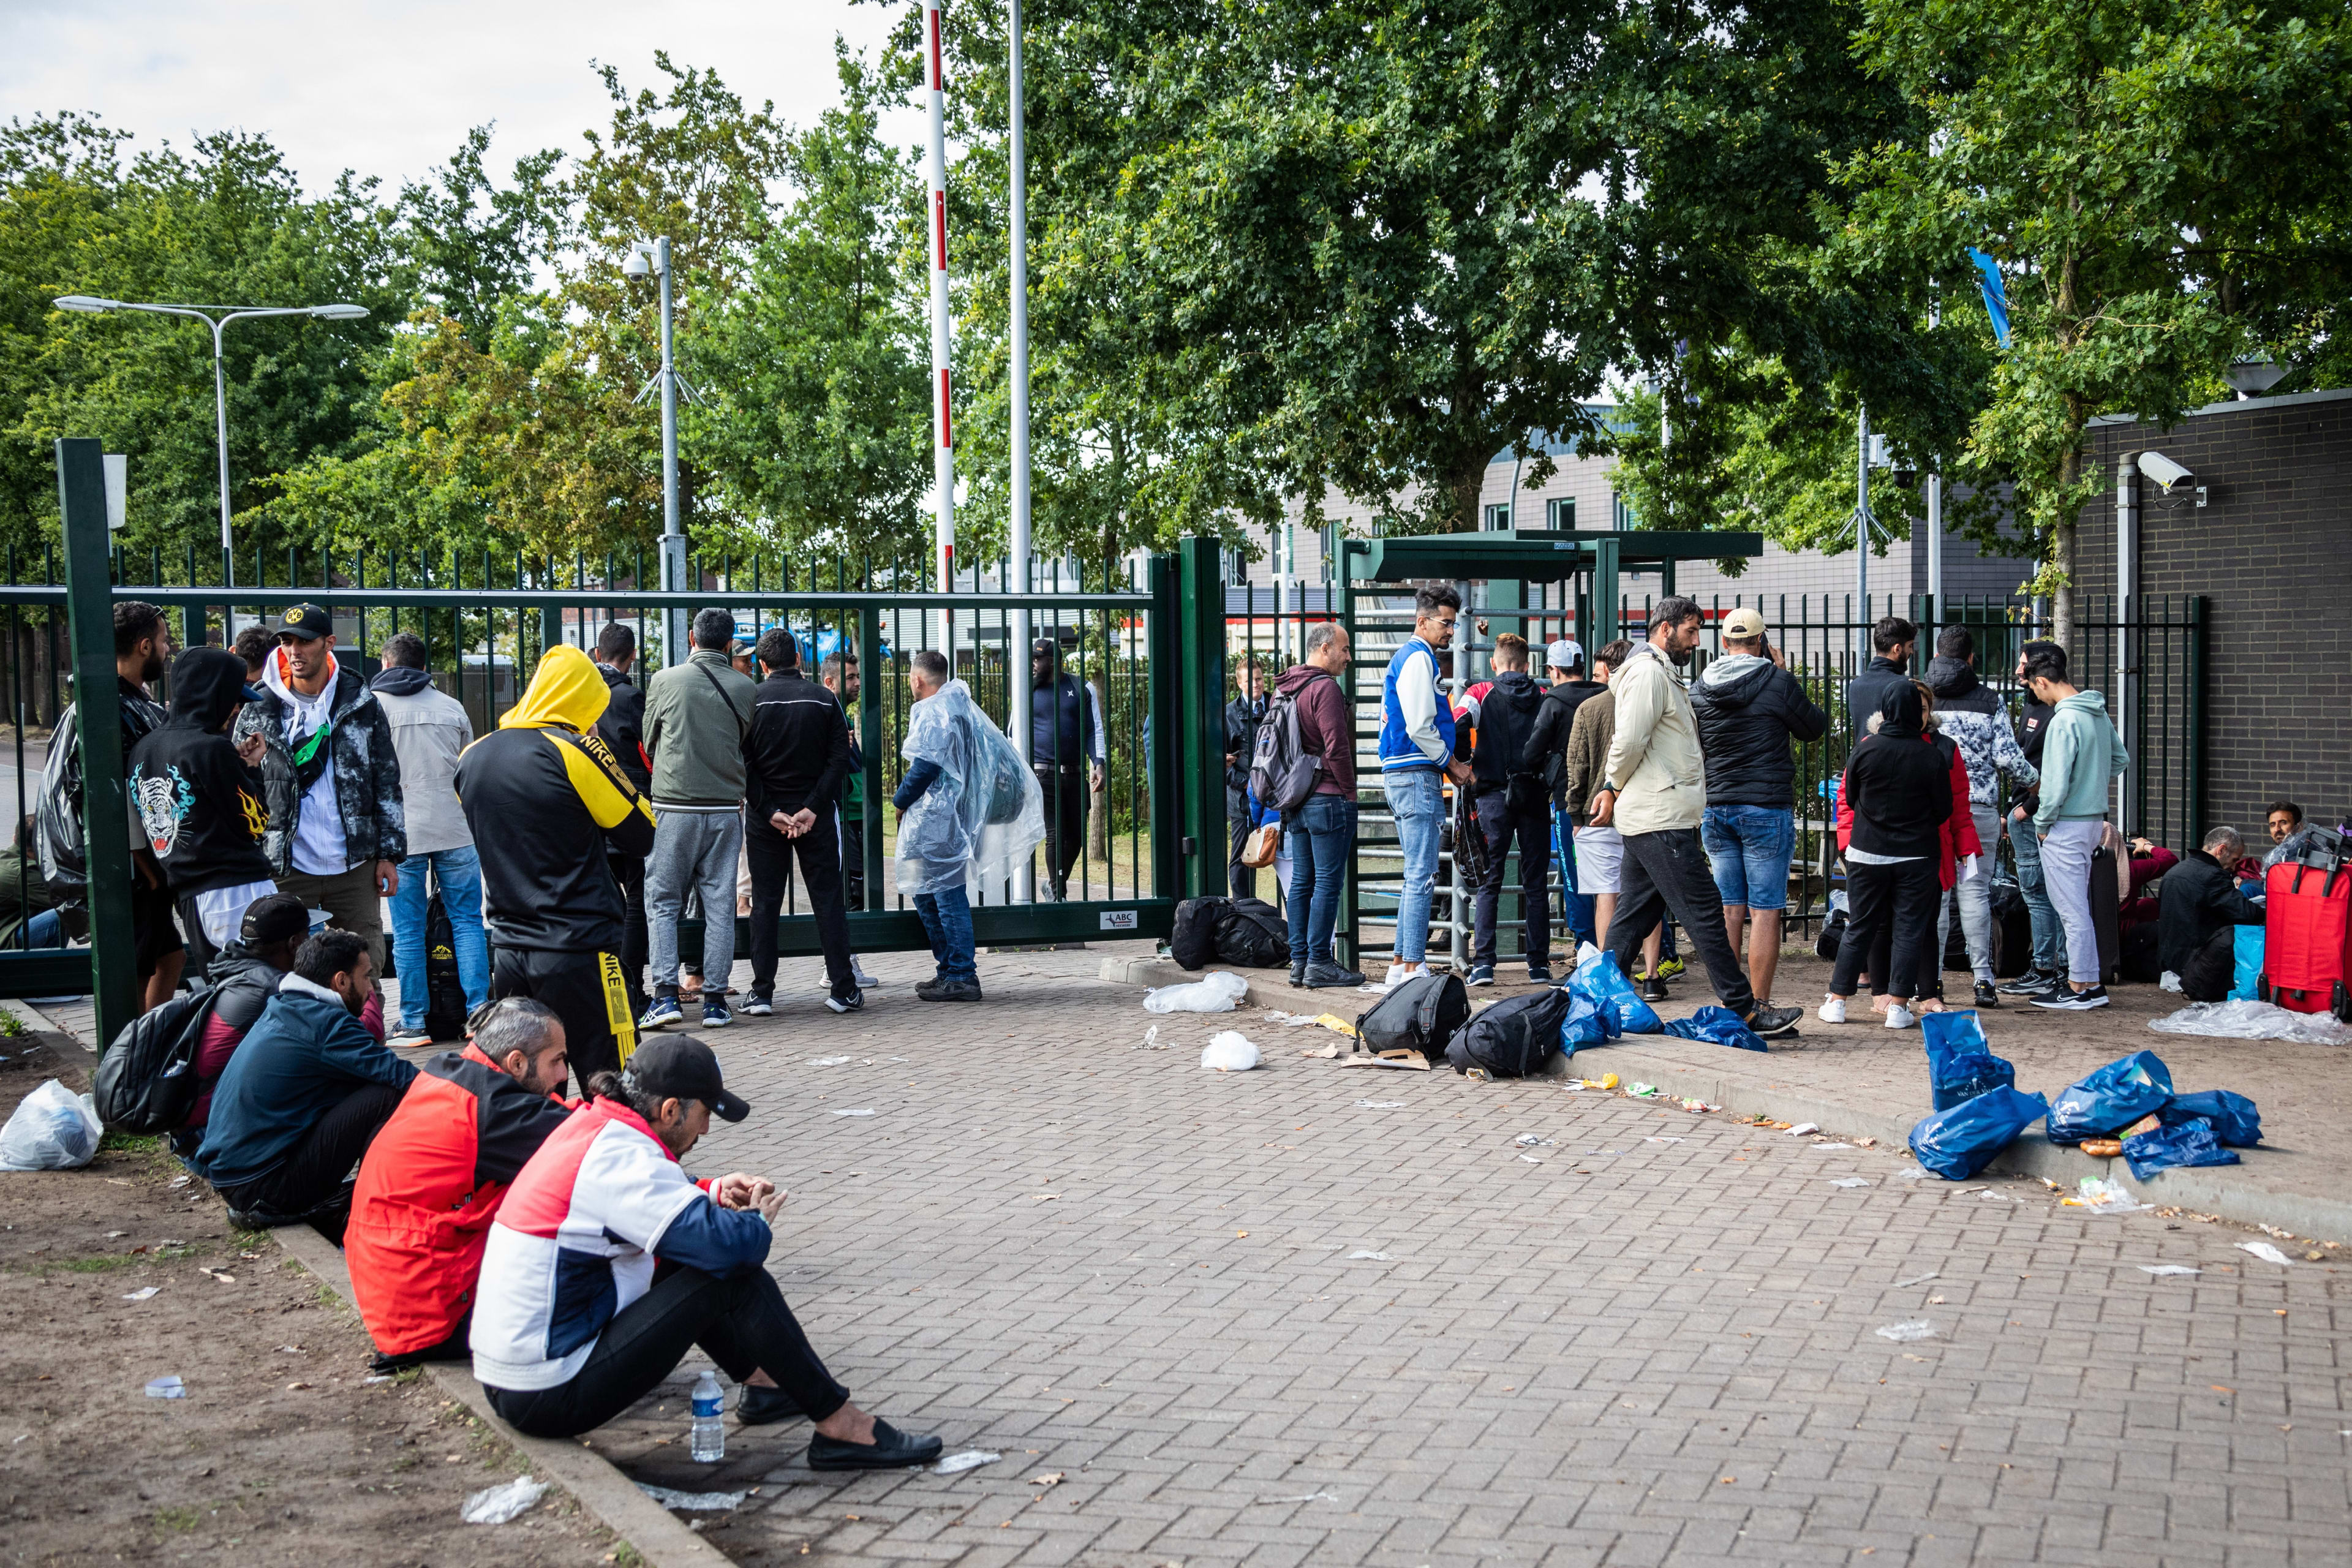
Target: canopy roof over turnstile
(1535, 555)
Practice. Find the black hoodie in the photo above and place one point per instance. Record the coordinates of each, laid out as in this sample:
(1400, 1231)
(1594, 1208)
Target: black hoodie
(200, 805)
(1901, 792)
(1746, 711)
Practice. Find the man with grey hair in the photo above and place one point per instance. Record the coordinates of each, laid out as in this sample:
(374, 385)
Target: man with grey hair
(2196, 919)
(434, 1178)
(1321, 833)
(697, 717)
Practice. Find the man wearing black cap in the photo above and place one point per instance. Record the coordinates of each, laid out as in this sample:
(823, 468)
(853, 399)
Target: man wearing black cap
(338, 829)
(245, 975)
(607, 1262)
(1066, 735)
(199, 801)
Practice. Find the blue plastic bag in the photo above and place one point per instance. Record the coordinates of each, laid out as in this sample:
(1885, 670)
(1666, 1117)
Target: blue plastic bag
(1600, 982)
(2113, 1097)
(1587, 1023)
(2246, 977)
(2188, 1141)
(1959, 1064)
(1958, 1144)
(2235, 1121)
(1721, 1024)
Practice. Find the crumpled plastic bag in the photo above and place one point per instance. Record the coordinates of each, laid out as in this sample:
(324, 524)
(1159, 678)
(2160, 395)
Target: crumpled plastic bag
(1721, 1024)
(1961, 1065)
(2113, 1097)
(2254, 1021)
(52, 1129)
(982, 816)
(1587, 1023)
(1598, 981)
(1216, 992)
(1229, 1051)
(497, 1505)
(2190, 1141)
(1957, 1144)
(2246, 970)
(2235, 1121)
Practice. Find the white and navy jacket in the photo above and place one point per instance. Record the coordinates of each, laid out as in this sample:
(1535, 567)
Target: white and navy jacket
(576, 1240)
(1416, 723)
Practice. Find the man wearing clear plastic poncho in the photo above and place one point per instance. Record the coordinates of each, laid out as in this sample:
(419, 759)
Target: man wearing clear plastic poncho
(969, 814)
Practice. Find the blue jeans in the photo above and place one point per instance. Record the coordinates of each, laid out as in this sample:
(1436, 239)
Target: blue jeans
(1576, 908)
(1320, 837)
(947, 920)
(45, 929)
(1748, 848)
(2048, 936)
(460, 872)
(1419, 805)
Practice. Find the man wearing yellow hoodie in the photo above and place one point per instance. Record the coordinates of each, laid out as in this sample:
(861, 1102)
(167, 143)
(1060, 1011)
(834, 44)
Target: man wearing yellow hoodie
(547, 802)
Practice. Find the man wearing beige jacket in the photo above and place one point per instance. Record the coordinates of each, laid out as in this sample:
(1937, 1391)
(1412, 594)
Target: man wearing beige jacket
(1655, 794)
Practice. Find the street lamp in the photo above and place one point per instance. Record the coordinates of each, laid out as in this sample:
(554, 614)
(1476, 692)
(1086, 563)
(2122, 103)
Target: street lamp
(216, 316)
(650, 258)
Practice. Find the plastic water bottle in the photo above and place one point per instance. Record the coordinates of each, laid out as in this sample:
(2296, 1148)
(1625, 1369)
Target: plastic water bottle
(707, 1441)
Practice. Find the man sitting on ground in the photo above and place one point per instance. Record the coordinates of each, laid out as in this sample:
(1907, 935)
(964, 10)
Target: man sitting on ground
(304, 1095)
(2198, 917)
(576, 1320)
(435, 1176)
(247, 973)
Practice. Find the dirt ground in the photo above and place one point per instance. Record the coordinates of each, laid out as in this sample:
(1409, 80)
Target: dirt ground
(282, 1450)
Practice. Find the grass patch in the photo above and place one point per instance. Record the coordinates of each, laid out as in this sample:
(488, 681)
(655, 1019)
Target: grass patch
(12, 1025)
(102, 1264)
(128, 1143)
(177, 1520)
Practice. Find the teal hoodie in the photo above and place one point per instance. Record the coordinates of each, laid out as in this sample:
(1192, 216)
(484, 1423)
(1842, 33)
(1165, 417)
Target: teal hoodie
(2073, 781)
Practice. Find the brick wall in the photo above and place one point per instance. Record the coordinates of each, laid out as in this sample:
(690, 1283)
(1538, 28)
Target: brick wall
(2272, 550)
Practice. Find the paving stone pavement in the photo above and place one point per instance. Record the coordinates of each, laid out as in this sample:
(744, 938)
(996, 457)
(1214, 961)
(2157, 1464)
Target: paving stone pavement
(1652, 1339)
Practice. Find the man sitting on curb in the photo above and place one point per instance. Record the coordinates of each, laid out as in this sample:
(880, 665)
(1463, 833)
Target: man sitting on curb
(302, 1098)
(607, 1261)
(247, 973)
(433, 1179)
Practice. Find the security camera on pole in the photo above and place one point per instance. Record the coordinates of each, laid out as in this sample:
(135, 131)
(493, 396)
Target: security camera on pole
(653, 257)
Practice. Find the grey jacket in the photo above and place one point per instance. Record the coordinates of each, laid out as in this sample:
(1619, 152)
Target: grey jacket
(429, 730)
(367, 777)
(698, 716)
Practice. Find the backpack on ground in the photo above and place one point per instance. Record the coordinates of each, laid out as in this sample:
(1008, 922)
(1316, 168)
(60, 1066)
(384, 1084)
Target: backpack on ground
(1514, 1037)
(1250, 934)
(1421, 1014)
(1193, 941)
(445, 990)
(147, 1080)
(1282, 773)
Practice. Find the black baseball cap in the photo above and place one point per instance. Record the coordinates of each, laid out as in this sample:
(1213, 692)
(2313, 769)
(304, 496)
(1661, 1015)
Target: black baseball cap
(306, 622)
(679, 1066)
(274, 916)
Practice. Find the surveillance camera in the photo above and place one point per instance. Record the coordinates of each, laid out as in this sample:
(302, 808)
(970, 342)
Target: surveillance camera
(636, 266)
(2170, 475)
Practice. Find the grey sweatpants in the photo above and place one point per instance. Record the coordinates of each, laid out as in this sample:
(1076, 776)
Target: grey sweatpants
(693, 849)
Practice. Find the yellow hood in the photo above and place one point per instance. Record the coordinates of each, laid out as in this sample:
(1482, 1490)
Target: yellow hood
(567, 693)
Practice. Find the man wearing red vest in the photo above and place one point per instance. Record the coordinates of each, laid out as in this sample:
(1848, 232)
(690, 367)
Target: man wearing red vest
(433, 1180)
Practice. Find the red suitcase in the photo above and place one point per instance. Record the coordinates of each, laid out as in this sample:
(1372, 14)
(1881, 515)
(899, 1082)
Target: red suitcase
(2307, 935)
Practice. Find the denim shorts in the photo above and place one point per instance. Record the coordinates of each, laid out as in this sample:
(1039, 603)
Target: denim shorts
(1748, 847)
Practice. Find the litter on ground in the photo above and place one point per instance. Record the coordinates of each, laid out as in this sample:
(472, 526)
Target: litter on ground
(1152, 1039)
(1903, 1333)
(1642, 1091)
(868, 1112)
(2248, 1020)
(1217, 992)
(1833, 1145)
(142, 1293)
(1229, 1051)
(970, 1459)
(1916, 1279)
(1380, 1105)
(1661, 1139)
(1530, 1140)
(2103, 1195)
(169, 1387)
(1849, 1182)
(1309, 1497)
(2267, 1253)
(2168, 1268)
(1369, 1257)
(496, 1505)
(1801, 1128)
(693, 1502)
(826, 1061)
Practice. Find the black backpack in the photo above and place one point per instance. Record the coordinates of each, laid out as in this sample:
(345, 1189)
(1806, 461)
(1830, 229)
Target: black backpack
(1421, 1014)
(1250, 934)
(147, 1080)
(1470, 856)
(444, 992)
(1193, 941)
(1514, 1037)
(1282, 772)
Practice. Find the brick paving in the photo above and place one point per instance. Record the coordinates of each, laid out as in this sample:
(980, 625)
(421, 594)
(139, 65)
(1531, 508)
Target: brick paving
(1599, 1349)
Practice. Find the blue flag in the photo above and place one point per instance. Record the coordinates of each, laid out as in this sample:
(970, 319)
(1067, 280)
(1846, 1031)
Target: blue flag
(1996, 299)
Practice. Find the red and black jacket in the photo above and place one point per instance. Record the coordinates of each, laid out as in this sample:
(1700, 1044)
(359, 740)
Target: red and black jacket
(428, 1191)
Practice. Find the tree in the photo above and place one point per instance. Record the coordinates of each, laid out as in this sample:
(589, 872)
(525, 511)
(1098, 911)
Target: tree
(2161, 184)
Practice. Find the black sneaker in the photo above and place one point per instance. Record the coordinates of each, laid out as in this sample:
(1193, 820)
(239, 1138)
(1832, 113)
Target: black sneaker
(2032, 982)
(2063, 1000)
(1539, 975)
(1321, 976)
(1481, 975)
(759, 1004)
(1654, 989)
(1770, 1023)
(1986, 996)
(1297, 974)
(949, 991)
(851, 1003)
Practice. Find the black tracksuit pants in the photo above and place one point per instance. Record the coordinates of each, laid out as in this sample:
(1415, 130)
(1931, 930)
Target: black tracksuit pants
(1499, 825)
(1065, 820)
(314, 1181)
(586, 991)
(770, 854)
(1891, 929)
(1667, 873)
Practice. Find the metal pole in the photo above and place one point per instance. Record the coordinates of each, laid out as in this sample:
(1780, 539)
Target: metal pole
(944, 458)
(2127, 604)
(220, 421)
(1017, 655)
(90, 613)
(1936, 545)
(673, 540)
(1862, 520)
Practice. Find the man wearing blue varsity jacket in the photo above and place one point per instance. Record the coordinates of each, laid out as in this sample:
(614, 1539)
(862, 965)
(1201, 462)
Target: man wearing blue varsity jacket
(1416, 755)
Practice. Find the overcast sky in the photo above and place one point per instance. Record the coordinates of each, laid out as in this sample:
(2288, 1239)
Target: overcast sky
(389, 89)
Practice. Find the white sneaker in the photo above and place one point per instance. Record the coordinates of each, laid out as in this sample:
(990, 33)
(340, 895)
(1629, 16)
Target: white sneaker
(1832, 1009)
(1399, 972)
(857, 973)
(1898, 1017)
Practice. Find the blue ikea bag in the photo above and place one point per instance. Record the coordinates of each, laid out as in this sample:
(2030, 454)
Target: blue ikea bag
(1721, 1024)
(2188, 1141)
(1598, 981)
(2113, 1097)
(1957, 1144)
(2235, 1121)
(1960, 1066)
(2246, 974)
(1587, 1023)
